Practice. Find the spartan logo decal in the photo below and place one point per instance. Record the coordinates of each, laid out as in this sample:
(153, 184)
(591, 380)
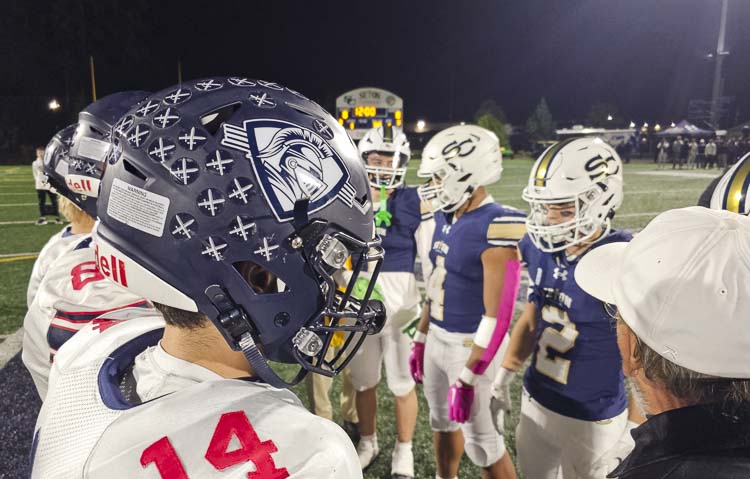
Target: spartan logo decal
(291, 163)
(599, 166)
(460, 148)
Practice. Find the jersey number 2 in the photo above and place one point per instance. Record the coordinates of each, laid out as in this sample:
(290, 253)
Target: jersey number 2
(231, 425)
(561, 341)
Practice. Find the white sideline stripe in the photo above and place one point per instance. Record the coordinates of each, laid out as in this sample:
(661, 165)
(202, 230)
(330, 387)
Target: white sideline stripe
(2, 223)
(678, 174)
(633, 215)
(13, 255)
(10, 347)
(16, 204)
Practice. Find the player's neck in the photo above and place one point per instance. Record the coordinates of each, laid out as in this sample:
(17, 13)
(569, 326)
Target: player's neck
(473, 202)
(579, 249)
(206, 347)
(82, 227)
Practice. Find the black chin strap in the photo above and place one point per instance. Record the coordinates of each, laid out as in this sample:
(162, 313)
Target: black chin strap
(238, 328)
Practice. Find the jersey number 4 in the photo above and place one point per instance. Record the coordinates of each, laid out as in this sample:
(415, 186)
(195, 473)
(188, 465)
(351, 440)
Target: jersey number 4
(553, 339)
(231, 425)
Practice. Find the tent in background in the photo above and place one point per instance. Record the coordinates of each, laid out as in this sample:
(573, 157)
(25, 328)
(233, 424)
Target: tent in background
(685, 128)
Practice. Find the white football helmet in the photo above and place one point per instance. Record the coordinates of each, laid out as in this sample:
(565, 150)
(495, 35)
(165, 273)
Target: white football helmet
(459, 160)
(731, 192)
(585, 172)
(390, 143)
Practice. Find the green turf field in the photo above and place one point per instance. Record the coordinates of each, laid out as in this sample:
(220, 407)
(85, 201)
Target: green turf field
(647, 192)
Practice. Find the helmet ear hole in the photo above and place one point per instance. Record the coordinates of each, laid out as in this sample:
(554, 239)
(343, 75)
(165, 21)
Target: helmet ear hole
(212, 121)
(257, 277)
(131, 168)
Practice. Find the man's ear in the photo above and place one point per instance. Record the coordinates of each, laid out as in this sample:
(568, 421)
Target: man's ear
(627, 342)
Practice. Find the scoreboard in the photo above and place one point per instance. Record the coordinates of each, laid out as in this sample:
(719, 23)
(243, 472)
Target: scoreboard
(364, 108)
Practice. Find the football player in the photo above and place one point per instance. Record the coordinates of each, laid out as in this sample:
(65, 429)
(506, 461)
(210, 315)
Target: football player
(73, 291)
(731, 191)
(406, 228)
(79, 223)
(574, 409)
(472, 285)
(230, 203)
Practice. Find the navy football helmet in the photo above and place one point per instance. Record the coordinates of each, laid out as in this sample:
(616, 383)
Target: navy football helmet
(91, 146)
(215, 177)
(55, 163)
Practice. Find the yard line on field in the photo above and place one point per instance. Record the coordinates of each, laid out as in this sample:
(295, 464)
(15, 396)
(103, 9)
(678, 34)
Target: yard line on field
(17, 180)
(10, 255)
(679, 174)
(18, 204)
(18, 258)
(634, 215)
(3, 223)
(10, 347)
(16, 194)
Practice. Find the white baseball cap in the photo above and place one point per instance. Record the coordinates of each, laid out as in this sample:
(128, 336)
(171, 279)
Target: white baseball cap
(682, 285)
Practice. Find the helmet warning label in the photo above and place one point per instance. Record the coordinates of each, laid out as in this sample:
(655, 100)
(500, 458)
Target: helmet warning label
(138, 208)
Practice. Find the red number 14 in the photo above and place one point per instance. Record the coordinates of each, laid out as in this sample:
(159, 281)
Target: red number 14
(232, 424)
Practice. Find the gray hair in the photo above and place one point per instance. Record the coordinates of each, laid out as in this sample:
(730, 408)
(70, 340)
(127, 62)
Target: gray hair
(687, 385)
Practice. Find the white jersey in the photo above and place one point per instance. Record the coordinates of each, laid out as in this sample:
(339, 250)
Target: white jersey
(94, 425)
(37, 169)
(72, 293)
(55, 246)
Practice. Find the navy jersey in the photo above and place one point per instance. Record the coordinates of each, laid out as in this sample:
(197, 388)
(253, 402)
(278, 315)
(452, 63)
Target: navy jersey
(576, 368)
(398, 238)
(456, 286)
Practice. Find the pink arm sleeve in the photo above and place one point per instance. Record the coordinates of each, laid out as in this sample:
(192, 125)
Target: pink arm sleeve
(511, 283)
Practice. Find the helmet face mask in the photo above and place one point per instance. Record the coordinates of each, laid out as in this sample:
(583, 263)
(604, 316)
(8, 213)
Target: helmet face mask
(550, 236)
(458, 160)
(242, 172)
(386, 153)
(584, 174)
(386, 169)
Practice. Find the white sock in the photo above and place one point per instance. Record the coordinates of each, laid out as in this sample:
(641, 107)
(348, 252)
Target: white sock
(438, 477)
(402, 447)
(372, 438)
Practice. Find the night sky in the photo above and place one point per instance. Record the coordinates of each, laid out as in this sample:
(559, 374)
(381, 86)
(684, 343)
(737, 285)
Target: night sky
(646, 57)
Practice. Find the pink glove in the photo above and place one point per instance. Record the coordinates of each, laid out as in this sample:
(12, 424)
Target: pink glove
(416, 362)
(460, 399)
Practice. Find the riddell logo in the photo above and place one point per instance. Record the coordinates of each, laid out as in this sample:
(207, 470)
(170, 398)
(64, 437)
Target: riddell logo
(112, 268)
(81, 186)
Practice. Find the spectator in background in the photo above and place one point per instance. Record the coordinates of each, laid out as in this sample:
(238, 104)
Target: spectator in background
(692, 153)
(42, 190)
(711, 154)
(685, 346)
(643, 148)
(732, 151)
(684, 148)
(676, 151)
(702, 154)
(663, 152)
(721, 150)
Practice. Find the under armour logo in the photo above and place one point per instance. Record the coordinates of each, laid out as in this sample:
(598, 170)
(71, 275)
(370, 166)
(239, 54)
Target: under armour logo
(559, 273)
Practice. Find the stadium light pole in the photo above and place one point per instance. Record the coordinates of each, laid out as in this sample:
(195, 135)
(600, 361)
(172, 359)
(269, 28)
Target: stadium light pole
(720, 54)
